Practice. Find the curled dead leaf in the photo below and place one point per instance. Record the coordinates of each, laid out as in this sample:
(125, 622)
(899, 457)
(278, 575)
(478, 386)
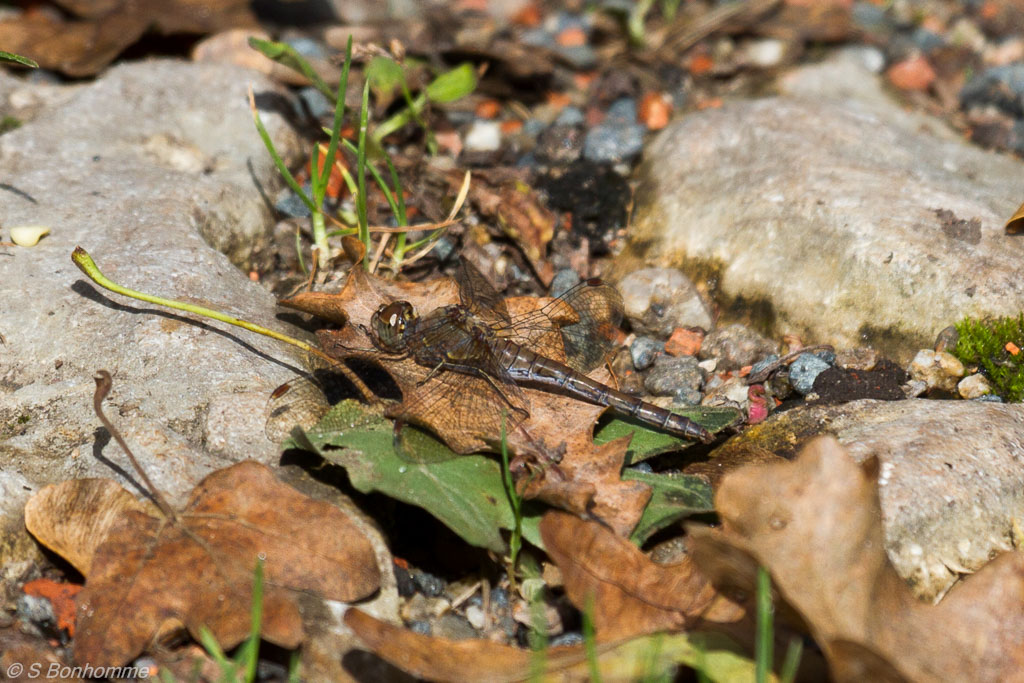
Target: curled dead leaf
(815, 523)
(629, 594)
(148, 577)
(1015, 225)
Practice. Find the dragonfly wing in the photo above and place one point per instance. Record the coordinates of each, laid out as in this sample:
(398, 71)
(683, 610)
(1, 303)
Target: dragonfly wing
(478, 295)
(581, 327)
(468, 402)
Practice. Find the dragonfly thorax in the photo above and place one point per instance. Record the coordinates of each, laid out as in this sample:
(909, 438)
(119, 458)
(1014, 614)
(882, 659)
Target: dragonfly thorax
(389, 325)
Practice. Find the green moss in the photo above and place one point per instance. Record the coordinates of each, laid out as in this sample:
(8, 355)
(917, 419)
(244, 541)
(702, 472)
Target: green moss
(8, 123)
(983, 343)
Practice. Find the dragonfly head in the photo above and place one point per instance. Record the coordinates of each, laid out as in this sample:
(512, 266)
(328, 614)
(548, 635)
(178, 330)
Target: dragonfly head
(389, 324)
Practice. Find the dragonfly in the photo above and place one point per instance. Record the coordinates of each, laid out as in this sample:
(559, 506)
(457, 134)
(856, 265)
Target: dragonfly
(552, 348)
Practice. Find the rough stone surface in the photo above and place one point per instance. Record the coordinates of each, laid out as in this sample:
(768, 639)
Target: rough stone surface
(951, 480)
(658, 300)
(974, 386)
(138, 168)
(849, 220)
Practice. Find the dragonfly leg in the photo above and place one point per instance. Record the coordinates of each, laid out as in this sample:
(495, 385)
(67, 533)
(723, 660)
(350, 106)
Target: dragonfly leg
(431, 374)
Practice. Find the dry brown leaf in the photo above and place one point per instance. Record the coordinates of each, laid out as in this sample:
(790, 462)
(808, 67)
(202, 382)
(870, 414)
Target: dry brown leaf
(626, 592)
(518, 211)
(74, 517)
(106, 27)
(815, 523)
(587, 481)
(1015, 225)
(151, 576)
(439, 659)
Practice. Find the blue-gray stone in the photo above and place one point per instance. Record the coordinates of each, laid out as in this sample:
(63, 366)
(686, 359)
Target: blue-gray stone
(1002, 86)
(827, 355)
(927, 40)
(613, 143)
(570, 116)
(622, 110)
(989, 398)
(568, 638)
(644, 350)
(642, 467)
(804, 370)
(309, 48)
(428, 584)
(533, 127)
(316, 103)
(563, 281)
(538, 37)
(579, 56)
(420, 626)
(763, 363)
(868, 15)
(290, 204)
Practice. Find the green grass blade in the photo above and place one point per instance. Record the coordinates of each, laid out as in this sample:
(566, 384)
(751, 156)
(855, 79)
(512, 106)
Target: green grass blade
(285, 55)
(763, 655)
(17, 59)
(364, 232)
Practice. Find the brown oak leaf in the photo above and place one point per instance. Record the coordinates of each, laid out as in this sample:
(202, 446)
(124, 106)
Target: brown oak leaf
(816, 525)
(149, 576)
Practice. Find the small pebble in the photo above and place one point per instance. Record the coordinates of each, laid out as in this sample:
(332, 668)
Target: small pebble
(570, 116)
(476, 617)
(658, 300)
(947, 339)
(708, 365)
(732, 392)
(974, 386)
(766, 53)
(644, 350)
(989, 398)
(453, 627)
(857, 359)
(642, 467)
(28, 235)
(914, 388)
(763, 363)
(673, 376)
(564, 280)
(420, 626)
(613, 142)
(290, 204)
(804, 370)
(736, 346)
(428, 584)
(939, 370)
(483, 136)
(315, 102)
(684, 342)
(570, 638)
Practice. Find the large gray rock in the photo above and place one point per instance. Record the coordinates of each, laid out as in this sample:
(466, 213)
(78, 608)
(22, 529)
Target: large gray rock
(831, 213)
(145, 168)
(951, 481)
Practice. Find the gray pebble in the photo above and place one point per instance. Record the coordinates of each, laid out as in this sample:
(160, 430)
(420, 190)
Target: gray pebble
(672, 376)
(428, 584)
(764, 363)
(570, 116)
(421, 627)
(290, 204)
(613, 142)
(564, 280)
(736, 346)
(644, 350)
(570, 638)
(316, 103)
(804, 370)
(989, 398)
(658, 300)
(454, 627)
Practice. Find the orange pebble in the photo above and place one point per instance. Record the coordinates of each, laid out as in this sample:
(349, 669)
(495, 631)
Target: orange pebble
(558, 99)
(573, 36)
(700, 64)
(528, 16)
(710, 103)
(914, 73)
(511, 126)
(488, 109)
(655, 110)
(1012, 348)
(684, 342)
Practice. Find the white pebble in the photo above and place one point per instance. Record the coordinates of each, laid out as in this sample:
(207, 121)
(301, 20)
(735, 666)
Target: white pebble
(483, 136)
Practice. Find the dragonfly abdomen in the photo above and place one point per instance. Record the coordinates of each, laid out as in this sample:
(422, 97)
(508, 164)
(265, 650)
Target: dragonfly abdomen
(527, 367)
